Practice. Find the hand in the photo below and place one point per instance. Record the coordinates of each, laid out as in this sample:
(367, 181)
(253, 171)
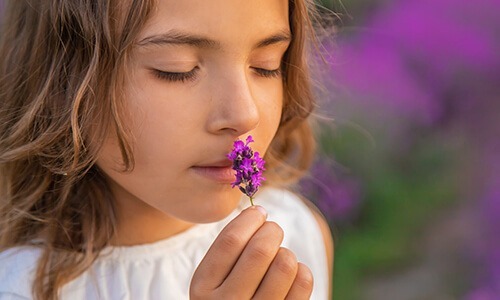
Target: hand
(246, 262)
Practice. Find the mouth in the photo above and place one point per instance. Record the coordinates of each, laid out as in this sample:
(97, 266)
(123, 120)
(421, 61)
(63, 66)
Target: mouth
(219, 171)
(223, 163)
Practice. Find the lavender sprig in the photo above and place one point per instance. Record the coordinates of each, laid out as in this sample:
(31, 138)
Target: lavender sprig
(248, 166)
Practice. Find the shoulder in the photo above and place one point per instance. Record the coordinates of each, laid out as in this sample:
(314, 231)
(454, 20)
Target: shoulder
(292, 209)
(17, 269)
(327, 238)
(306, 231)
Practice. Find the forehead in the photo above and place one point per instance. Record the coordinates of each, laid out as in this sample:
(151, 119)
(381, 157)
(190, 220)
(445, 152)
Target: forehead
(231, 22)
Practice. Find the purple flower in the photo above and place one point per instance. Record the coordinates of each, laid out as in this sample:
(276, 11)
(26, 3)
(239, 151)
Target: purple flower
(248, 166)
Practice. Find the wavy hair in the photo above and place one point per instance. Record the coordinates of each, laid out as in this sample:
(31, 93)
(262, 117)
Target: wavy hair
(62, 66)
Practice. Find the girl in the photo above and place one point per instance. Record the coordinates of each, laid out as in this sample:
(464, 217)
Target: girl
(115, 121)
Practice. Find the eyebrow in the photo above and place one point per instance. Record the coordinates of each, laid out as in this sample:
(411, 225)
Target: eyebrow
(175, 37)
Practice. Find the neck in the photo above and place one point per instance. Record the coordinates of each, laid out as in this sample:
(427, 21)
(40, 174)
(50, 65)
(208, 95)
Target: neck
(140, 223)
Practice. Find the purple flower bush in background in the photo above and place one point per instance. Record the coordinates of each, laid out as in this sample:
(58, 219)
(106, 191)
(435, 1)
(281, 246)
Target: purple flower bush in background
(412, 56)
(433, 67)
(248, 166)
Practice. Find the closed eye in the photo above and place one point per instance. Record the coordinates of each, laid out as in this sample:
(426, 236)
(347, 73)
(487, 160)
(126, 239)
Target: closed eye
(268, 73)
(177, 76)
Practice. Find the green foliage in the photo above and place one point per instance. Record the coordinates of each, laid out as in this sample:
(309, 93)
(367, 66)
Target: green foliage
(403, 189)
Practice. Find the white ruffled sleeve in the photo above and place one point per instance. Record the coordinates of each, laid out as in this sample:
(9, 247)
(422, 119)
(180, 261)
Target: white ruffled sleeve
(11, 296)
(17, 269)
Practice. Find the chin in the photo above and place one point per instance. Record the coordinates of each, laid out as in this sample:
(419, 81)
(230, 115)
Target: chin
(217, 209)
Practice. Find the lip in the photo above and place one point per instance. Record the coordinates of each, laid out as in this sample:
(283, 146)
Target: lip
(218, 170)
(223, 163)
(221, 174)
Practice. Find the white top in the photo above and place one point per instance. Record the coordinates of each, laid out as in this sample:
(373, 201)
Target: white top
(163, 269)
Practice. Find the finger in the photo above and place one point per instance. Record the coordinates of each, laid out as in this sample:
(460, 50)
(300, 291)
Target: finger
(302, 285)
(280, 276)
(226, 248)
(254, 262)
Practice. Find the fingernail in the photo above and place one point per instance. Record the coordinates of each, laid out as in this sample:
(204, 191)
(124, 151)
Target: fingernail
(261, 210)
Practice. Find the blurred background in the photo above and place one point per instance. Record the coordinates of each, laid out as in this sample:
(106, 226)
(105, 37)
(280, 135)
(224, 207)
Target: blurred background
(408, 172)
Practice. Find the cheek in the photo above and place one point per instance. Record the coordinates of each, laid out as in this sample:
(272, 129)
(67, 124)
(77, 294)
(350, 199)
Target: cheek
(275, 118)
(271, 110)
(151, 138)
(160, 123)
(275, 94)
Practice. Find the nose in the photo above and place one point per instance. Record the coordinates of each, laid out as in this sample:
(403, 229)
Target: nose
(234, 108)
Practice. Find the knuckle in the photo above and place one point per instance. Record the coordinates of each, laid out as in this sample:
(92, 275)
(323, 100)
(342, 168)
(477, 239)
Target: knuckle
(304, 278)
(286, 262)
(231, 240)
(196, 292)
(229, 295)
(198, 289)
(261, 251)
(275, 229)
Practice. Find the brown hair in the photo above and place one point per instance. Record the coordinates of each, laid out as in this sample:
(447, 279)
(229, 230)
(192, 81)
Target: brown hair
(61, 68)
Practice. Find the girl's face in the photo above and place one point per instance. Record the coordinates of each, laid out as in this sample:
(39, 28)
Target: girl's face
(202, 74)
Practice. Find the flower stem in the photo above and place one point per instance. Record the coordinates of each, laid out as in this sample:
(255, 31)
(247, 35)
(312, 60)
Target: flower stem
(251, 200)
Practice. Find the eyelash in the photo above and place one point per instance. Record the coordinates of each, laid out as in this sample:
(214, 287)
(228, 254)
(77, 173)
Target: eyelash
(177, 76)
(268, 73)
(191, 75)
